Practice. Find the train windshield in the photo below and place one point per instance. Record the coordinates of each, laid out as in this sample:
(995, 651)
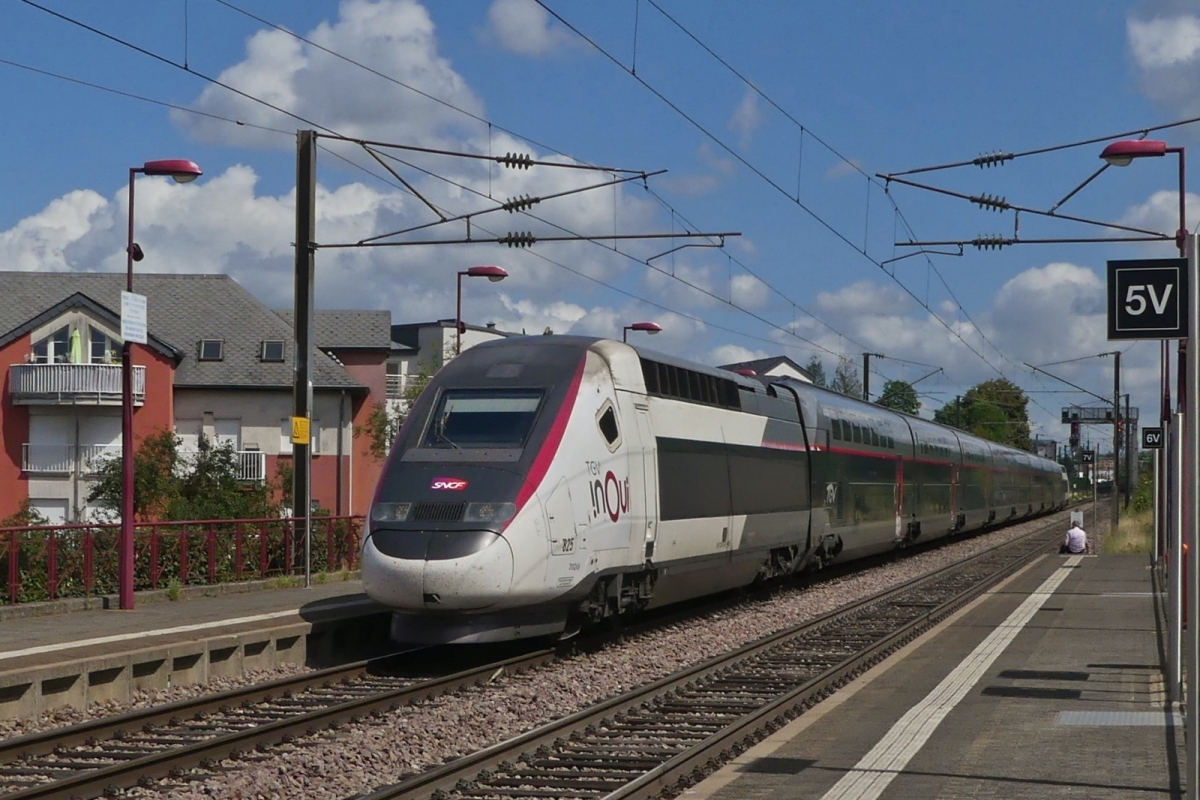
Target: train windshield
(473, 418)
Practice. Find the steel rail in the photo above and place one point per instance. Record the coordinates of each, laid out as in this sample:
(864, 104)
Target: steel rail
(464, 774)
(142, 770)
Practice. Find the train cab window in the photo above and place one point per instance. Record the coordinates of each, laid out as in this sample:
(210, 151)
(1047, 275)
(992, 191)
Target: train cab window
(606, 421)
(478, 418)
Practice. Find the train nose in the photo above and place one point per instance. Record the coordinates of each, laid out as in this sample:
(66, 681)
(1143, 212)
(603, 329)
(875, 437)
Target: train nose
(437, 570)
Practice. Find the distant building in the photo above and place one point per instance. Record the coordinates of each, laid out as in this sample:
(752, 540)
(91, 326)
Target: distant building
(217, 362)
(777, 367)
(421, 348)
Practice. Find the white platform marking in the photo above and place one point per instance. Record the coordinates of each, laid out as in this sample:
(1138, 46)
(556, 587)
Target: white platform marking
(877, 769)
(122, 637)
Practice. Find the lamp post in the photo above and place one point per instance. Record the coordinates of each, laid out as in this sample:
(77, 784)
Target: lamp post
(1186, 500)
(182, 171)
(645, 327)
(493, 274)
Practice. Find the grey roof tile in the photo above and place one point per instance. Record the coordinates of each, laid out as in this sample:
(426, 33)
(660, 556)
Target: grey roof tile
(349, 329)
(181, 310)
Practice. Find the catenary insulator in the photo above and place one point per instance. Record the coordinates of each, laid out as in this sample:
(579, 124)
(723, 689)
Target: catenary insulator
(995, 159)
(520, 203)
(518, 239)
(516, 160)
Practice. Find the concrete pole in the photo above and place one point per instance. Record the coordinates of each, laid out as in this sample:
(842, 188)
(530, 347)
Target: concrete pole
(866, 377)
(1175, 553)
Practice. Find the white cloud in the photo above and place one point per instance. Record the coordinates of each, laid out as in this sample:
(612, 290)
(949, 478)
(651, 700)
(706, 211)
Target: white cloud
(1164, 42)
(40, 242)
(717, 171)
(747, 117)
(524, 27)
(733, 354)
(749, 292)
(395, 37)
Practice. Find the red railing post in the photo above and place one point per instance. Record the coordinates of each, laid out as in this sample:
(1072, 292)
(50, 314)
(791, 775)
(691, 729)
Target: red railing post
(329, 552)
(183, 555)
(212, 553)
(14, 572)
(352, 539)
(287, 545)
(88, 576)
(51, 563)
(154, 543)
(237, 552)
(262, 549)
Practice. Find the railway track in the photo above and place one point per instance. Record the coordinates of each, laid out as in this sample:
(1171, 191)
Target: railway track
(137, 748)
(660, 739)
(144, 746)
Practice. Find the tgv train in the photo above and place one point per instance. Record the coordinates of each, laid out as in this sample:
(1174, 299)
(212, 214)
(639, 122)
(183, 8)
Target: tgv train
(541, 483)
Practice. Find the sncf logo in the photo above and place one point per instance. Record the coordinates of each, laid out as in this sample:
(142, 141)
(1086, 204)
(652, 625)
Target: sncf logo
(448, 484)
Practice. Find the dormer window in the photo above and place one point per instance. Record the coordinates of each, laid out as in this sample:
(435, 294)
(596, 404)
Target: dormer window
(103, 350)
(54, 349)
(212, 350)
(272, 351)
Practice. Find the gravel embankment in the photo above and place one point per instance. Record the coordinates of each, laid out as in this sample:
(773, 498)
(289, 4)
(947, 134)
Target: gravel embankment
(360, 757)
(61, 717)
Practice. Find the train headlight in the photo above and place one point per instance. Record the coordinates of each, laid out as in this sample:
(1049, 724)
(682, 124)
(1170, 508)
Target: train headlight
(489, 512)
(390, 512)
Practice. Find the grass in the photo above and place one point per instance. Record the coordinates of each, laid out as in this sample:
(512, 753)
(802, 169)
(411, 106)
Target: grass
(1135, 534)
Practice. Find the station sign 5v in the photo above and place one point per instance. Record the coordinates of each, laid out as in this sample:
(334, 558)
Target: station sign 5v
(1147, 299)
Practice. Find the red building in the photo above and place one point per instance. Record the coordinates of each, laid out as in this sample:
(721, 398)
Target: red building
(217, 362)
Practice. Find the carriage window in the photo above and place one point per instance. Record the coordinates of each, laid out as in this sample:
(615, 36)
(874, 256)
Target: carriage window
(836, 425)
(875, 438)
(483, 418)
(857, 433)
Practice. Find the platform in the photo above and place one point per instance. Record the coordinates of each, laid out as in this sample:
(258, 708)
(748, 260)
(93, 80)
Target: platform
(93, 655)
(1049, 686)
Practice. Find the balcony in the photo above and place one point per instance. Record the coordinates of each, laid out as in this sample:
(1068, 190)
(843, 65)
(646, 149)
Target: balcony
(86, 460)
(396, 384)
(72, 384)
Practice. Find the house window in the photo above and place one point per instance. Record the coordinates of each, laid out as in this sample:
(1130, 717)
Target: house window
(54, 348)
(212, 349)
(272, 351)
(103, 349)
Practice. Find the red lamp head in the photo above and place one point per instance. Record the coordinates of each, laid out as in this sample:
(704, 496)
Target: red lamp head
(1119, 154)
(646, 327)
(180, 169)
(493, 274)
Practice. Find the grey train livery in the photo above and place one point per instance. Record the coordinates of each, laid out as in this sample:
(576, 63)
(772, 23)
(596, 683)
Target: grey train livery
(543, 483)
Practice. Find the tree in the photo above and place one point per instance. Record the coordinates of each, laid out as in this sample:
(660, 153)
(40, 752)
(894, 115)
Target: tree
(845, 378)
(996, 410)
(385, 420)
(816, 368)
(901, 396)
(170, 486)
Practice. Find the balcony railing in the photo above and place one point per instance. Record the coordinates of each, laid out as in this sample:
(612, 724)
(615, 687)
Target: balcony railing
(66, 459)
(396, 384)
(251, 465)
(51, 384)
(48, 459)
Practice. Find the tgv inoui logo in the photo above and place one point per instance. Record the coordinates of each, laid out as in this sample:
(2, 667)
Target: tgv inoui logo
(450, 484)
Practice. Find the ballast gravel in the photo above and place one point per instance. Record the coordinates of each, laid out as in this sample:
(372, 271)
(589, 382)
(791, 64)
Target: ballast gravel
(62, 717)
(358, 758)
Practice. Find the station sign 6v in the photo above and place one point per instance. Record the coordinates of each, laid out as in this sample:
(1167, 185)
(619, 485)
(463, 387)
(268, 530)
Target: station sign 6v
(1147, 299)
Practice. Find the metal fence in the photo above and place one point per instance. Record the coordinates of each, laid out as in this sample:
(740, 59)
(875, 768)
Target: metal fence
(49, 562)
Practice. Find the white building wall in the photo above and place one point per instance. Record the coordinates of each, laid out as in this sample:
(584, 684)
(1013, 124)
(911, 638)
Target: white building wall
(257, 418)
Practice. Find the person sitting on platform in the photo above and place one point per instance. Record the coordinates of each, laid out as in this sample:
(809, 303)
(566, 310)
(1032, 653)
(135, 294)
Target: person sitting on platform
(1076, 541)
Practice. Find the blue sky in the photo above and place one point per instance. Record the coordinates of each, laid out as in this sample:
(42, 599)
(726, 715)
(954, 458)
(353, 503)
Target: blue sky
(839, 93)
